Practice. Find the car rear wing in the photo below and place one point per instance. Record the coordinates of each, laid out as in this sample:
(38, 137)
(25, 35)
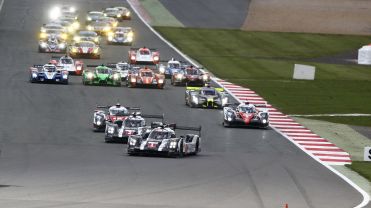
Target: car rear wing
(108, 106)
(162, 117)
(151, 49)
(219, 89)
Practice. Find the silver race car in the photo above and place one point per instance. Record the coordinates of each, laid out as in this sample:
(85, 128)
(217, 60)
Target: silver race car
(121, 35)
(161, 139)
(120, 130)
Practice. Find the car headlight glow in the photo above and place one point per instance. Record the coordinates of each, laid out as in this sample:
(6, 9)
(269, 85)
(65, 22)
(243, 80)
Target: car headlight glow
(110, 38)
(162, 69)
(72, 9)
(116, 76)
(76, 25)
(65, 76)
(173, 145)
(43, 35)
(43, 45)
(128, 13)
(118, 15)
(64, 36)
(160, 81)
(110, 130)
(132, 141)
(74, 50)
(34, 75)
(55, 13)
(229, 118)
(205, 77)
(155, 58)
(132, 57)
(107, 29)
(62, 45)
(88, 18)
(96, 50)
(133, 79)
(99, 122)
(76, 38)
(96, 40)
(78, 68)
(89, 75)
(179, 76)
(264, 121)
(195, 99)
(130, 39)
(89, 27)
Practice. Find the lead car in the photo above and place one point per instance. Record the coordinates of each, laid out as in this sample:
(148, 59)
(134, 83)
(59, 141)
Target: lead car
(160, 139)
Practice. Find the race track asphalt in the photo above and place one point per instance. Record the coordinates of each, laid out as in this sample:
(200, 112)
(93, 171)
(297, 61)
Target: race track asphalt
(229, 14)
(50, 157)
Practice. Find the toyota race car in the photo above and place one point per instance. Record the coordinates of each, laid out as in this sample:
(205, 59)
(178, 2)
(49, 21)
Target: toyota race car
(143, 56)
(121, 129)
(104, 114)
(245, 114)
(190, 76)
(205, 97)
(161, 139)
(67, 63)
(145, 77)
(48, 73)
(85, 49)
(101, 75)
(121, 35)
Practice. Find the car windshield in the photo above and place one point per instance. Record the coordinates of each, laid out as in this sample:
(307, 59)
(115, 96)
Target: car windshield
(118, 112)
(146, 74)
(50, 68)
(174, 65)
(103, 71)
(96, 14)
(85, 44)
(88, 33)
(66, 61)
(134, 123)
(247, 109)
(53, 31)
(144, 52)
(159, 135)
(192, 71)
(208, 92)
(112, 10)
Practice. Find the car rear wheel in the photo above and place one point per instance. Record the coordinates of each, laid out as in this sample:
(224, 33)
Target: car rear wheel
(181, 153)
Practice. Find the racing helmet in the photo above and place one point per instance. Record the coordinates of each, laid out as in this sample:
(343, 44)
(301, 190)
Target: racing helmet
(118, 105)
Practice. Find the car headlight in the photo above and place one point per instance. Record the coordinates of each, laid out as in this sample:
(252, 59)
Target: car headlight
(195, 99)
(96, 39)
(264, 121)
(229, 118)
(65, 76)
(132, 142)
(76, 25)
(110, 130)
(34, 75)
(55, 13)
(173, 145)
(133, 79)
(43, 35)
(99, 122)
(110, 38)
(88, 18)
(114, 24)
(224, 101)
(96, 50)
(72, 9)
(130, 39)
(43, 45)
(116, 76)
(160, 81)
(118, 15)
(76, 38)
(205, 77)
(127, 13)
(89, 27)
(179, 76)
(42, 30)
(64, 36)
(107, 29)
(132, 57)
(89, 75)
(130, 34)
(155, 58)
(78, 68)
(74, 50)
(62, 45)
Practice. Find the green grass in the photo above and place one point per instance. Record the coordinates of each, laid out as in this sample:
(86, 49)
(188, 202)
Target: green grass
(264, 62)
(362, 167)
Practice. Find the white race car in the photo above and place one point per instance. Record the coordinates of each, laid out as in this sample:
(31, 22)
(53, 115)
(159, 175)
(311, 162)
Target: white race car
(67, 63)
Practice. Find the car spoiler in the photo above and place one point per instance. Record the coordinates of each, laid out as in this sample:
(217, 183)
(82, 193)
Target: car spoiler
(108, 106)
(151, 49)
(95, 65)
(219, 89)
(37, 65)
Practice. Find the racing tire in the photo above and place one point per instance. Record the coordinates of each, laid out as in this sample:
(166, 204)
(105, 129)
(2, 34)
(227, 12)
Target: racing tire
(197, 149)
(226, 124)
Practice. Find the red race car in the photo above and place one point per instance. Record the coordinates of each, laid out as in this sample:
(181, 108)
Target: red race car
(190, 76)
(144, 56)
(67, 63)
(145, 77)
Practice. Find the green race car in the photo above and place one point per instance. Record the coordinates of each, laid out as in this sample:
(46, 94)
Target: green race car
(101, 75)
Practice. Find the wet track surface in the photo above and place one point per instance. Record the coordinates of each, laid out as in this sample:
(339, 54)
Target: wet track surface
(50, 157)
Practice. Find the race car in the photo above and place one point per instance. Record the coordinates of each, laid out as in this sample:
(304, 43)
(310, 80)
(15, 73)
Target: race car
(52, 45)
(170, 67)
(85, 35)
(101, 75)
(105, 114)
(146, 77)
(143, 56)
(122, 67)
(121, 35)
(67, 63)
(48, 73)
(102, 28)
(245, 115)
(84, 49)
(190, 76)
(93, 16)
(161, 139)
(125, 13)
(120, 130)
(205, 97)
(53, 29)
(111, 21)
(114, 13)
(71, 23)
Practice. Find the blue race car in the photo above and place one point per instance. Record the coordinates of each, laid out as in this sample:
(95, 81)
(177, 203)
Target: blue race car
(48, 73)
(173, 66)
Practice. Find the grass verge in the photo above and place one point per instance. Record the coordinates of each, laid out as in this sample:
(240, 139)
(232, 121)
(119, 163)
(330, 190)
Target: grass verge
(362, 167)
(264, 62)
